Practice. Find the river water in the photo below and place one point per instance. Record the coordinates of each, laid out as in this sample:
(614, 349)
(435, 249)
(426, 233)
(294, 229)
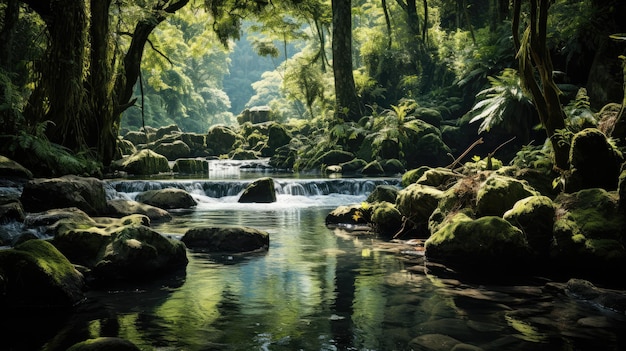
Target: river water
(316, 288)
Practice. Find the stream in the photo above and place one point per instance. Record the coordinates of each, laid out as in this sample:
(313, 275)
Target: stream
(316, 288)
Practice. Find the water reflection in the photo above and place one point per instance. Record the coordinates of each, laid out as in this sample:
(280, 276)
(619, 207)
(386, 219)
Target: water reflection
(321, 289)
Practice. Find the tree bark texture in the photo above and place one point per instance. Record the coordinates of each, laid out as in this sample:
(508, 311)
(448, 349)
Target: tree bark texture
(347, 104)
(533, 57)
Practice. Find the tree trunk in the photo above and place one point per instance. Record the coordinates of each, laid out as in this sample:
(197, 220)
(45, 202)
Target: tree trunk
(11, 15)
(347, 105)
(533, 56)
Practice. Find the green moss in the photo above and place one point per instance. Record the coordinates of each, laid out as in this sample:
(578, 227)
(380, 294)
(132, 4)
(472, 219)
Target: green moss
(413, 175)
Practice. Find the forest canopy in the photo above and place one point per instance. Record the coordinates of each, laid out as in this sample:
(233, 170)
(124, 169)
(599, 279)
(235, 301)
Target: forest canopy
(93, 69)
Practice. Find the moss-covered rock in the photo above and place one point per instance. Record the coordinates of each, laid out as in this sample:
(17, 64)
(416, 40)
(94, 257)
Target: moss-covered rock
(277, 136)
(124, 148)
(136, 137)
(589, 236)
(240, 154)
(594, 161)
(122, 207)
(348, 215)
(261, 190)
(104, 344)
(85, 193)
(167, 130)
(226, 239)
(220, 140)
(385, 218)
(392, 166)
(12, 169)
(353, 166)
(411, 176)
(498, 194)
(174, 150)
(167, 198)
(439, 177)
(35, 273)
(428, 115)
(373, 168)
(144, 162)
(191, 166)
(381, 193)
(418, 201)
(535, 216)
(485, 246)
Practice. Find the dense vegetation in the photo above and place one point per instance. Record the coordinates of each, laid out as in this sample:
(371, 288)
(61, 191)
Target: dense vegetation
(403, 80)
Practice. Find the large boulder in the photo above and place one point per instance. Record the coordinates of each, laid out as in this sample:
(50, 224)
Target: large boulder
(535, 216)
(589, 234)
(347, 215)
(168, 198)
(594, 162)
(387, 193)
(123, 208)
(115, 249)
(385, 218)
(486, 246)
(167, 130)
(497, 194)
(85, 193)
(136, 137)
(196, 143)
(226, 239)
(35, 273)
(439, 177)
(191, 166)
(417, 202)
(220, 140)
(277, 136)
(144, 162)
(261, 190)
(174, 150)
(11, 210)
(12, 169)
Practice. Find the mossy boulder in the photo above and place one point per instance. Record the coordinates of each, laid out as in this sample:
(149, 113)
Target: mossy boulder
(191, 166)
(261, 191)
(12, 169)
(428, 115)
(138, 252)
(85, 193)
(240, 154)
(381, 193)
(497, 194)
(124, 148)
(35, 273)
(11, 210)
(439, 177)
(411, 176)
(220, 140)
(174, 150)
(417, 202)
(348, 215)
(277, 136)
(167, 130)
(535, 216)
(353, 166)
(121, 207)
(594, 162)
(373, 168)
(168, 198)
(136, 137)
(104, 344)
(485, 246)
(332, 157)
(196, 143)
(144, 162)
(392, 166)
(226, 239)
(589, 236)
(385, 218)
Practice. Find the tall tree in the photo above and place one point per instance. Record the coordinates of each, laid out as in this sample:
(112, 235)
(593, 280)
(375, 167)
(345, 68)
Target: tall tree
(80, 92)
(534, 60)
(347, 104)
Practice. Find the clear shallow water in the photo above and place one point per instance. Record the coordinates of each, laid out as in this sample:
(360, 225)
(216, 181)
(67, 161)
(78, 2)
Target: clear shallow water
(315, 289)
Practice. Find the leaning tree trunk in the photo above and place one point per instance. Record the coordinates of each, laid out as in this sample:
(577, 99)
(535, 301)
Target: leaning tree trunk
(347, 105)
(533, 56)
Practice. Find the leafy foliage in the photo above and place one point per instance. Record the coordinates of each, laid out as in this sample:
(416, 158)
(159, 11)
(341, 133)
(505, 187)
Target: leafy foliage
(505, 102)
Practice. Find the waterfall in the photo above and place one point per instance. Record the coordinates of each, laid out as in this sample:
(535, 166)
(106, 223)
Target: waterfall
(222, 188)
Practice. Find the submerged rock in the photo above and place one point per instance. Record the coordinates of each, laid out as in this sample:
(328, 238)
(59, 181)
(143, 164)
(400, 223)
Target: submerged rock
(226, 239)
(104, 344)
